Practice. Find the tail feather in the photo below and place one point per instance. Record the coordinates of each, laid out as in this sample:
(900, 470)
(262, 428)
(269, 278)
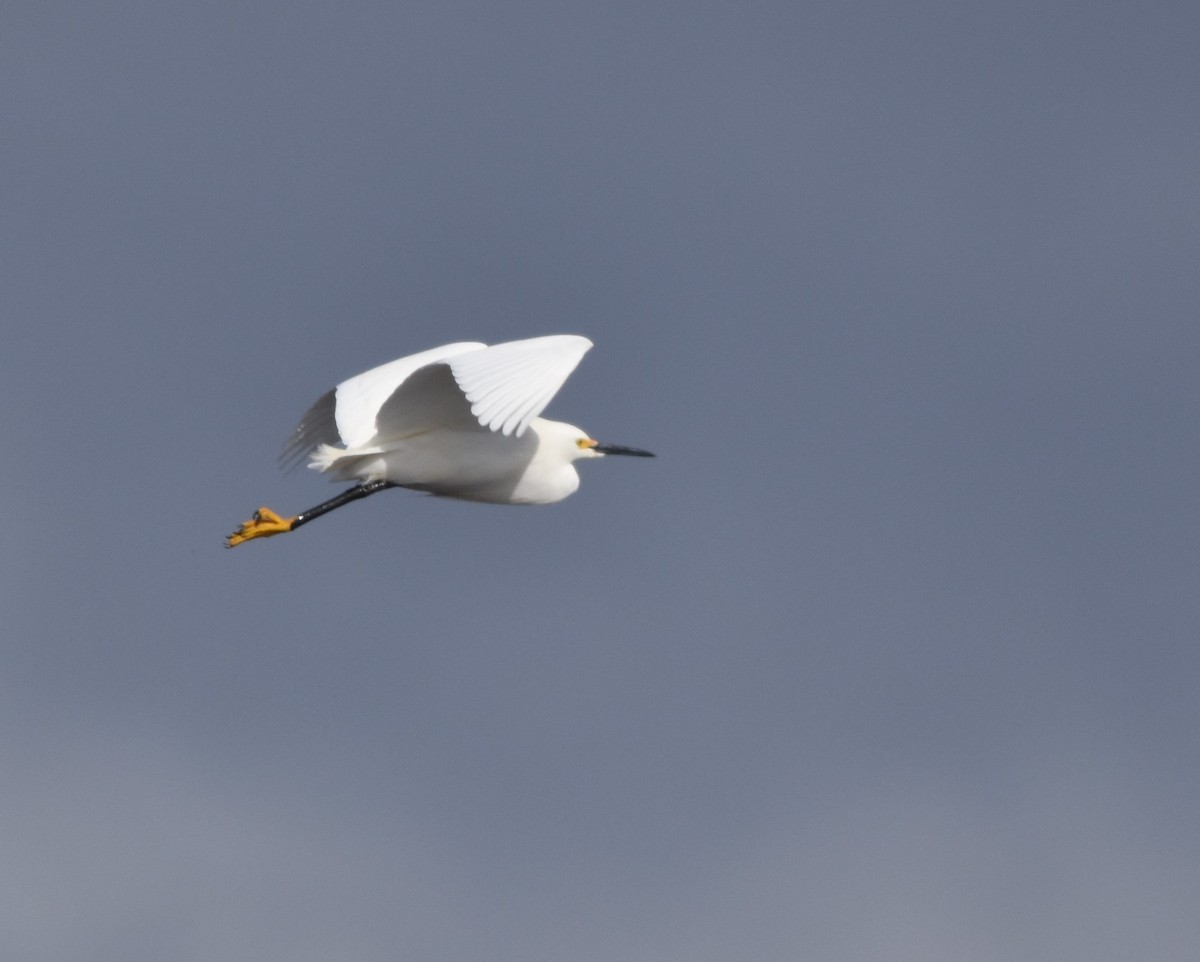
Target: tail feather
(348, 464)
(324, 456)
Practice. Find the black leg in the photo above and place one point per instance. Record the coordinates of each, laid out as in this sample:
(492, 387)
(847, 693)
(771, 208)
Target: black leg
(352, 494)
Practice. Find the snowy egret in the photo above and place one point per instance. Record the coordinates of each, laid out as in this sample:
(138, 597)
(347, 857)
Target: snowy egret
(459, 421)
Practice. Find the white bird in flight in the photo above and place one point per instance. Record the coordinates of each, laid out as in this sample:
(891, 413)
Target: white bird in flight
(459, 421)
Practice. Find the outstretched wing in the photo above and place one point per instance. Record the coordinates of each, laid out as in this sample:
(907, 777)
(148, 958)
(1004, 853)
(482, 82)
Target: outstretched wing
(427, 400)
(346, 415)
(500, 388)
(508, 385)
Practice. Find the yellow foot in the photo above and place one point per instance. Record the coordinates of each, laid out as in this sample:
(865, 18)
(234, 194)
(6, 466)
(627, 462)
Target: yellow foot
(264, 524)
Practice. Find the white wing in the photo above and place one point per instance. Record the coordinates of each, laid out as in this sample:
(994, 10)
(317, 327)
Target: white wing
(346, 414)
(504, 387)
(508, 385)
(360, 398)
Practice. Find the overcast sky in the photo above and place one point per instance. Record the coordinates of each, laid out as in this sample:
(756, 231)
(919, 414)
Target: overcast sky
(890, 654)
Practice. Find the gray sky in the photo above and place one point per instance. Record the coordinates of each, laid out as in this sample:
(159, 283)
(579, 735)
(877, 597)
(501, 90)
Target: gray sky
(891, 653)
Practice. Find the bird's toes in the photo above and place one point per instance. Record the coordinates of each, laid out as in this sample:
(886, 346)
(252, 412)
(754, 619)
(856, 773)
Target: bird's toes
(263, 524)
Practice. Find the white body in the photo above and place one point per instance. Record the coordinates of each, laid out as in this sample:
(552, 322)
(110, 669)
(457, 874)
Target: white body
(535, 468)
(459, 421)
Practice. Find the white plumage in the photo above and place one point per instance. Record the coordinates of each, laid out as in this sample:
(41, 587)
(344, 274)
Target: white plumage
(458, 421)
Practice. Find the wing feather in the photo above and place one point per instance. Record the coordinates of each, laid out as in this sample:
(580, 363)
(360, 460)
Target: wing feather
(427, 400)
(317, 427)
(510, 384)
(346, 414)
(465, 385)
(360, 398)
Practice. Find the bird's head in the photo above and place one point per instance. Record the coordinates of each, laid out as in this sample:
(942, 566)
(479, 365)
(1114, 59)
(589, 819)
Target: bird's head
(589, 448)
(576, 445)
